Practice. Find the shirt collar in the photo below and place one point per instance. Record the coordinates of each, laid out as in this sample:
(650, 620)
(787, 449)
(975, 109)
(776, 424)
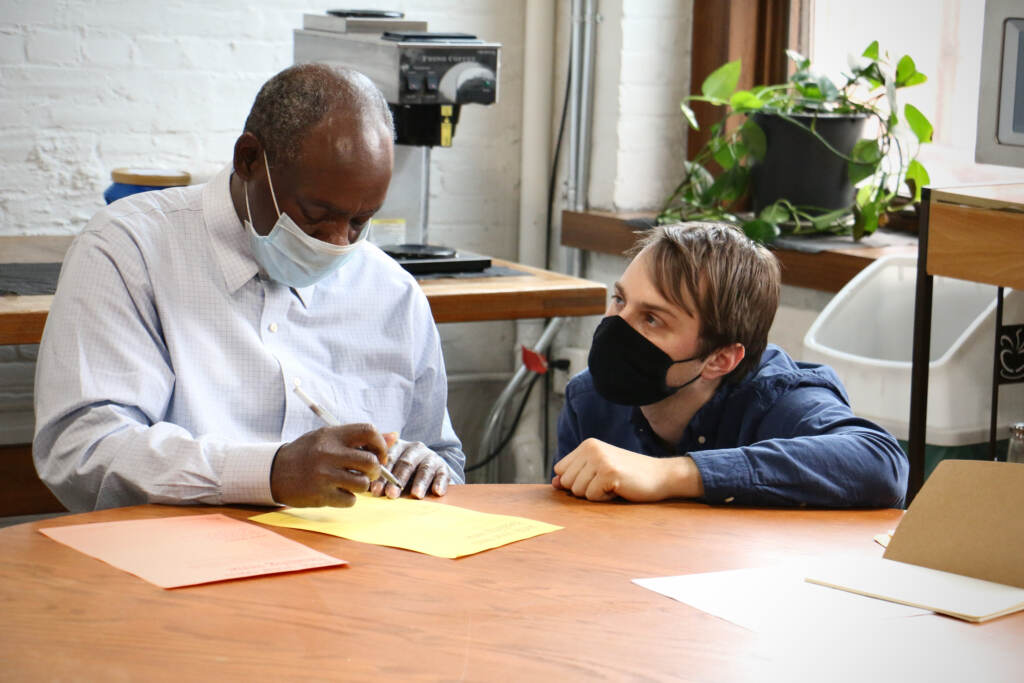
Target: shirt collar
(229, 239)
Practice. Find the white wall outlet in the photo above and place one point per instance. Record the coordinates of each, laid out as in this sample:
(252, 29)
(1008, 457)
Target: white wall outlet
(577, 358)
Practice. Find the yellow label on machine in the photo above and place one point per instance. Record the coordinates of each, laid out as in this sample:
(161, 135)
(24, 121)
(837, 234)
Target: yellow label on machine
(446, 125)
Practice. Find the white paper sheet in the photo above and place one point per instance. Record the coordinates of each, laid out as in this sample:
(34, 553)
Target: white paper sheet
(767, 598)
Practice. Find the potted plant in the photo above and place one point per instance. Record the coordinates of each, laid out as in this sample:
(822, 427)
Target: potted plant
(797, 151)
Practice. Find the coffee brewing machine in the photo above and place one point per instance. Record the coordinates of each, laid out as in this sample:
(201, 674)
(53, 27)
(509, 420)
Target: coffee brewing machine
(426, 77)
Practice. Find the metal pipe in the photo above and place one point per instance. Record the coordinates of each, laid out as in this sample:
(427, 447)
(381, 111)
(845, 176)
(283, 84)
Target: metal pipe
(425, 197)
(488, 440)
(586, 69)
(571, 173)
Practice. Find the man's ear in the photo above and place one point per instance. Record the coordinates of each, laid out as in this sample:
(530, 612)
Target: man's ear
(723, 361)
(248, 155)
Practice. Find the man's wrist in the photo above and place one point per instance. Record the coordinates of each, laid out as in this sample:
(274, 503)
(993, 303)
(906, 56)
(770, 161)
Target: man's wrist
(682, 478)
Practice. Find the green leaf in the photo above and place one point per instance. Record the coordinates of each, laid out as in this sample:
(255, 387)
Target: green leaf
(760, 231)
(865, 157)
(722, 81)
(690, 117)
(871, 51)
(905, 68)
(774, 213)
(744, 100)
(918, 123)
(907, 73)
(830, 219)
(874, 75)
(864, 195)
(728, 187)
(700, 177)
(865, 221)
(754, 139)
(810, 91)
(801, 61)
(723, 155)
(916, 178)
(828, 88)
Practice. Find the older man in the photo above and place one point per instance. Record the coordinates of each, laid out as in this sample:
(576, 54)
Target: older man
(184, 318)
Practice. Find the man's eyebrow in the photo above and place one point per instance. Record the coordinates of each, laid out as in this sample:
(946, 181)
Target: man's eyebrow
(657, 308)
(331, 208)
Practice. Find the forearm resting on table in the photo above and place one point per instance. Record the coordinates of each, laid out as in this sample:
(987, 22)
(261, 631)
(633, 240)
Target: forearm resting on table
(600, 471)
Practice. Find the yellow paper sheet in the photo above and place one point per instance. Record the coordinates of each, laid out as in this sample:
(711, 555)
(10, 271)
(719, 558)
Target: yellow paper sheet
(431, 528)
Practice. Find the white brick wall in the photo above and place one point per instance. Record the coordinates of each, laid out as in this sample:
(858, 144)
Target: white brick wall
(637, 91)
(89, 86)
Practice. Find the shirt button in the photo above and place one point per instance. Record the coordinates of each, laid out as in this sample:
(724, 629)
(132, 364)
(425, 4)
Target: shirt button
(272, 327)
(701, 439)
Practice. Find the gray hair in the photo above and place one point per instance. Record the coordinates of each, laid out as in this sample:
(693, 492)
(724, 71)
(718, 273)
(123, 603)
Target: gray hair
(295, 100)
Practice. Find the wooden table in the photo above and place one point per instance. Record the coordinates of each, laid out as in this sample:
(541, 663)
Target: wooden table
(972, 233)
(536, 293)
(556, 607)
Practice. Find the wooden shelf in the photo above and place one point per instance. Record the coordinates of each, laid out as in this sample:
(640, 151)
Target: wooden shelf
(609, 233)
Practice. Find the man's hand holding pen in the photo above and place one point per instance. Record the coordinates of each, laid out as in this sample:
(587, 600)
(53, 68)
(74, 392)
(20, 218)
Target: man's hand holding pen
(328, 466)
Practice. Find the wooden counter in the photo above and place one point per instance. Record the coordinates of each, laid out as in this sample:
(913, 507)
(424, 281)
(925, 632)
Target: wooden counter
(536, 293)
(828, 271)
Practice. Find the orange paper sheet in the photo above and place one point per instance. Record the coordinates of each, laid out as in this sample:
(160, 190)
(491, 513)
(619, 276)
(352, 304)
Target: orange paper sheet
(190, 549)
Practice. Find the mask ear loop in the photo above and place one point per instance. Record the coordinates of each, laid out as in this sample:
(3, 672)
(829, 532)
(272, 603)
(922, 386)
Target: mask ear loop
(688, 383)
(248, 211)
(270, 183)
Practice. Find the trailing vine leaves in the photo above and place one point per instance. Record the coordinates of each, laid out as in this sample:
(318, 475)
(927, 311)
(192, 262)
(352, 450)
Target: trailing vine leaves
(879, 166)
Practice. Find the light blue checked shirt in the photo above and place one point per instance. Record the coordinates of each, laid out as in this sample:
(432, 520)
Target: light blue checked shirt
(167, 362)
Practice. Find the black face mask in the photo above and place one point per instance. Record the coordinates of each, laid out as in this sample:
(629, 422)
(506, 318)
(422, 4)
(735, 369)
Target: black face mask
(627, 368)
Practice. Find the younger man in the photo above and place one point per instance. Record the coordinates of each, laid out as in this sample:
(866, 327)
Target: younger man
(684, 398)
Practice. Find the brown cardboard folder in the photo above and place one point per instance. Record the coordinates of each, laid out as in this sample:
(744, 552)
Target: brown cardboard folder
(959, 549)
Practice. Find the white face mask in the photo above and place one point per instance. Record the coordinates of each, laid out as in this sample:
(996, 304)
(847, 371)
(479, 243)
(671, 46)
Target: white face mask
(289, 255)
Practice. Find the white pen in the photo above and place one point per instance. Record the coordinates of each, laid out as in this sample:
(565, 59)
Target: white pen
(332, 421)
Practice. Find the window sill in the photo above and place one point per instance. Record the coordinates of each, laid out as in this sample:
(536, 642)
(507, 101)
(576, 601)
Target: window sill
(607, 232)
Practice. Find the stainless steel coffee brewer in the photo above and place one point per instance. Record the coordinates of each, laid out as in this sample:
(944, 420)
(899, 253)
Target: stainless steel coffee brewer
(426, 77)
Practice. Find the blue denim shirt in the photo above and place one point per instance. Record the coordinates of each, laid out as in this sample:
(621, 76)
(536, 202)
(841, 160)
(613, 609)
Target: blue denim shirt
(784, 435)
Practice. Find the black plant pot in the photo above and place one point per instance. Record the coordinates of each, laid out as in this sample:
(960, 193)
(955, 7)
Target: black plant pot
(798, 167)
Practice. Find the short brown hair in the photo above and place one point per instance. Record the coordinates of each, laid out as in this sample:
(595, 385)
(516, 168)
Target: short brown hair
(733, 280)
